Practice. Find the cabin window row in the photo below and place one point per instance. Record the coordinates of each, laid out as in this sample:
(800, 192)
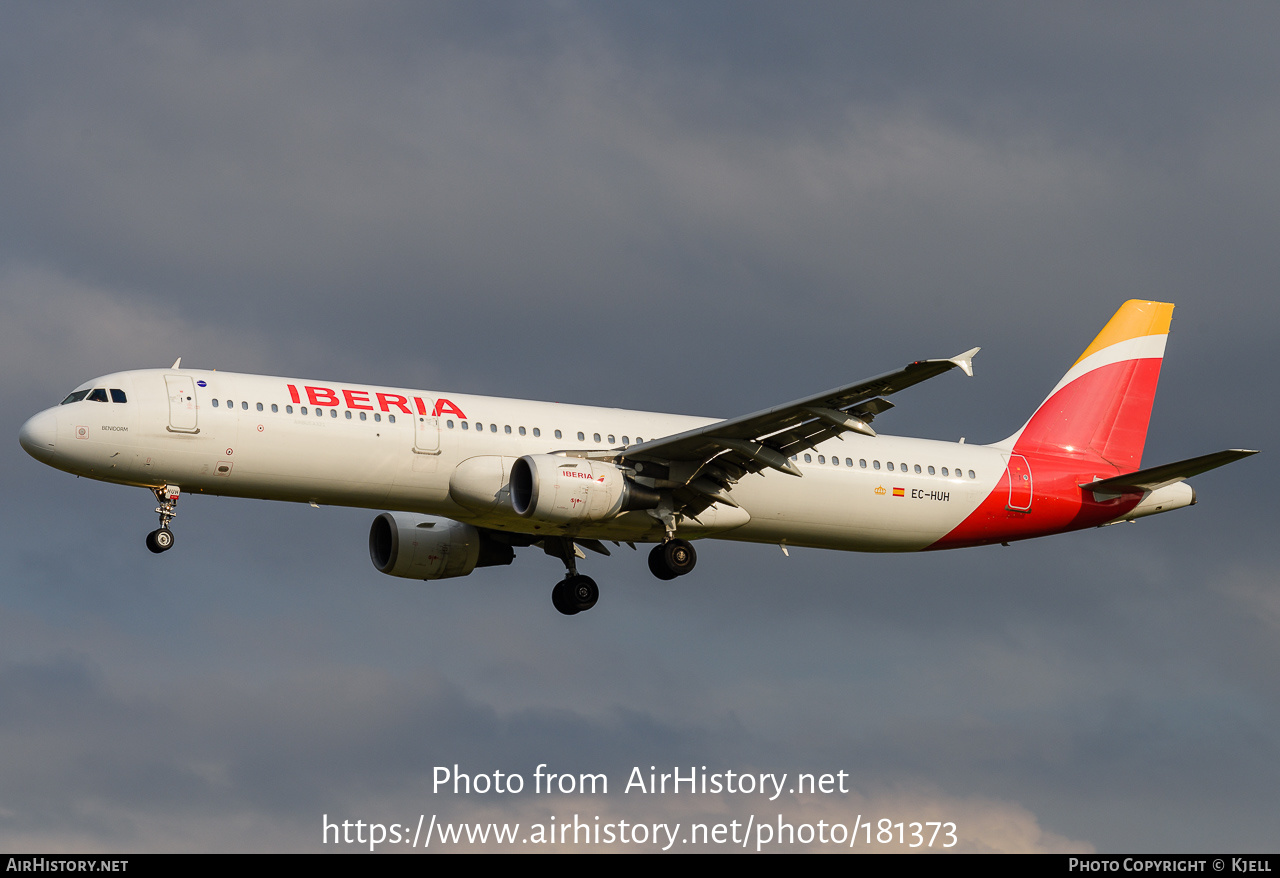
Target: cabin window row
(610, 438)
(302, 410)
(479, 426)
(890, 466)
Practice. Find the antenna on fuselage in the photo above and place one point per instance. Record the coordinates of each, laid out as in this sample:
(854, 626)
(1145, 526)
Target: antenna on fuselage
(176, 363)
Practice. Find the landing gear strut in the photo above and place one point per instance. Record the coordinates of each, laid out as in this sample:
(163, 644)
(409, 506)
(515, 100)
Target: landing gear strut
(161, 539)
(575, 593)
(671, 559)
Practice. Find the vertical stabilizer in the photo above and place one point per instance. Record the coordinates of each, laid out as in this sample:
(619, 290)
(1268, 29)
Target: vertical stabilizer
(1101, 407)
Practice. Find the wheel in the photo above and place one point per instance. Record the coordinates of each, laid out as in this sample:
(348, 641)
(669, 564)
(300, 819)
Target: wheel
(562, 599)
(679, 556)
(583, 592)
(658, 566)
(160, 540)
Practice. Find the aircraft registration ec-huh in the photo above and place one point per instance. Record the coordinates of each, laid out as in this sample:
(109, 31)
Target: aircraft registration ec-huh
(468, 479)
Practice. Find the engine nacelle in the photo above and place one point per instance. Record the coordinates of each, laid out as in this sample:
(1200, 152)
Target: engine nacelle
(565, 490)
(428, 547)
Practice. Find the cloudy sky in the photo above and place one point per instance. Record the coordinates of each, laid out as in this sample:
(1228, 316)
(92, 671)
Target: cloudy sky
(702, 208)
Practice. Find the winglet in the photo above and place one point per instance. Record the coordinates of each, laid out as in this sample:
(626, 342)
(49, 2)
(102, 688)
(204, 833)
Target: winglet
(965, 361)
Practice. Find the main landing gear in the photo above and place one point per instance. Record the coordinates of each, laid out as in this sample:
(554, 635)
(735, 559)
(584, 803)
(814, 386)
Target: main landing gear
(161, 539)
(575, 592)
(671, 559)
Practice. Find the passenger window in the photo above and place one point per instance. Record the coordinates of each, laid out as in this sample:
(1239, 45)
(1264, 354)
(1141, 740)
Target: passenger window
(231, 404)
(215, 403)
(275, 408)
(931, 472)
(117, 395)
(808, 459)
(377, 416)
(259, 406)
(464, 424)
(862, 462)
(581, 436)
(917, 467)
(890, 465)
(245, 405)
(944, 472)
(595, 437)
(875, 464)
(449, 424)
(822, 458)
(536, 432)
(319, 412)
(971, 475)
(522, 431)
(903, 466)
(348, 413)
(288, 409)
(626, 441)
(638, 440)
(493, 428)
(98, 394)
(558, 435)
(391, 418)
(507, 429)
(611, 439)
(364, 416)
(333, 413)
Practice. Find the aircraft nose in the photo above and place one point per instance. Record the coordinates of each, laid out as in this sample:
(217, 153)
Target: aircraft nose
(39, 435)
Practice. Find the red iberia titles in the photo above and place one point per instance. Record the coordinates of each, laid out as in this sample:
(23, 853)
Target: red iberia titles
(370, 401)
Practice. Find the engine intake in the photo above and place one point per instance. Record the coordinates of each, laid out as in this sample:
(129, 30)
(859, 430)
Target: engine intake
(428, 547)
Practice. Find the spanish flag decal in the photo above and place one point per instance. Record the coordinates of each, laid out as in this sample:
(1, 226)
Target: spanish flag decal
(899, 492)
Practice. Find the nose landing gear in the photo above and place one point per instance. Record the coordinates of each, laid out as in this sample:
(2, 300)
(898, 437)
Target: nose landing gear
(161, 539)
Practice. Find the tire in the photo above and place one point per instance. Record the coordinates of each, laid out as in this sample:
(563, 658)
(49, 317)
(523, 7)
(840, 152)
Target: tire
(562, 599)
(658, 566)
(583, 592)
(160, 540)
(679, 556)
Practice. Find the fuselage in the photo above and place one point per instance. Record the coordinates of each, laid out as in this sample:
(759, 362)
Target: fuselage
(333, 443)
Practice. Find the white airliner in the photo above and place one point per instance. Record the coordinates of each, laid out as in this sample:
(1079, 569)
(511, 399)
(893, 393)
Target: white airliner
(471, 478)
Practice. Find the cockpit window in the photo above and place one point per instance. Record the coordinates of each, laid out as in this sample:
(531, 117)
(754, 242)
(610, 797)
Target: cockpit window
(117, 395)
(75, 397)
(98, 394)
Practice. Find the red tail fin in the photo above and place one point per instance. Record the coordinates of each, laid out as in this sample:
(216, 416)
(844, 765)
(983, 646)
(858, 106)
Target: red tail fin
(1101, 407)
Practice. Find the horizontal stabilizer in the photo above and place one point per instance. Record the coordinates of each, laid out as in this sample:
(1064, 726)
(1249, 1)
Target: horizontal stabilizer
(1154, 477)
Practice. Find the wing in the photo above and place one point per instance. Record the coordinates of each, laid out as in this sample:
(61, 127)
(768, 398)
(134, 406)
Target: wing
(702, 465)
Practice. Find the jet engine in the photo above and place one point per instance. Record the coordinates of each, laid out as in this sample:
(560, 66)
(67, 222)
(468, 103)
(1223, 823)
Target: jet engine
(428, 547)
(566, 490)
